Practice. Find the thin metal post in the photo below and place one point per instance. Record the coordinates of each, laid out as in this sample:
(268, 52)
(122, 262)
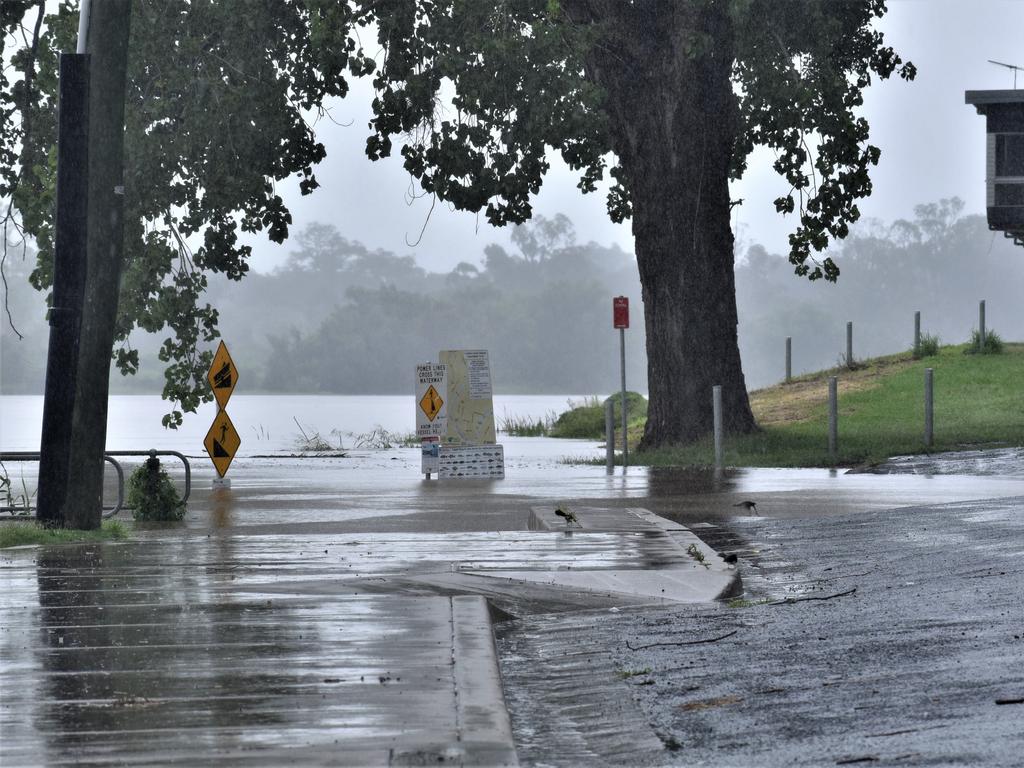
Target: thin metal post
(609, 434)
(622, 361)
(716, 405)
(849, 344)
(981, 326)
(833, 417)
(928, 402)
(917, 334)
(789, 358)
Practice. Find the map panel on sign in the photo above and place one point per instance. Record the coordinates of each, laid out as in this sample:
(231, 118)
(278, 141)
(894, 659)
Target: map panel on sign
(469, 403)
(222, 375)
(222, 442)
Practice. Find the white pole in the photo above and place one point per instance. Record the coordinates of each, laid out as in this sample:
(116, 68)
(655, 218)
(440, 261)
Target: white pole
(928, 407)
(83, 25)
(609, 434)
(789, 358)
(716, 408)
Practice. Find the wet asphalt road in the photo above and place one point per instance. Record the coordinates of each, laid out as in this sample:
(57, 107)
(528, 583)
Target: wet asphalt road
(906, 670)
(921, 662)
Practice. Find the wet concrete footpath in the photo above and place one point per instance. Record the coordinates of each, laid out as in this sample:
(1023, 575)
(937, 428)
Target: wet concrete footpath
(340, 612)
(273, 628)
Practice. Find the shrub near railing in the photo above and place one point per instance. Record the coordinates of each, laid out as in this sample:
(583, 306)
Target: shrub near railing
(151, 494)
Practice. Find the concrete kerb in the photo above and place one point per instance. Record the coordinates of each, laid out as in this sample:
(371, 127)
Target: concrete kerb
(700, 575)
(485, 730)
(483, 721)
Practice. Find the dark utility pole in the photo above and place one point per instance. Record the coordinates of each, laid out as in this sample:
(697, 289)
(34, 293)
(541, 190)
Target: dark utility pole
(68, 286)
(107, 44)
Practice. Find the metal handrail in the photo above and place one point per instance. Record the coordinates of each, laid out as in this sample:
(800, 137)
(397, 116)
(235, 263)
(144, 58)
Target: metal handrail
(150, 453)
(108, 456)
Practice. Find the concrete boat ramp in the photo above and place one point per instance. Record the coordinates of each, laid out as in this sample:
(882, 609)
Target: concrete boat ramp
(222, 646)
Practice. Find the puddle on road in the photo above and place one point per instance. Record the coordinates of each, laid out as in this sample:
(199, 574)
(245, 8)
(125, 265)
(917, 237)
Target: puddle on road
(387, 484)
(998, 462)
(309, 491)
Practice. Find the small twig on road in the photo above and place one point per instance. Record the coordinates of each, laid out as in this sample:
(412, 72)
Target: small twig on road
(789, 600)
(847, 575)
(904, 731)
(687, 642)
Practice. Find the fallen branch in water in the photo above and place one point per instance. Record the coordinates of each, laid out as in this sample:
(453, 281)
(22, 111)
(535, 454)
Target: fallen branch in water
(789, 600)
(686, 642)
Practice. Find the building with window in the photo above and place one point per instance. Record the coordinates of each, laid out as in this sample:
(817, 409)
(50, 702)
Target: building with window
(1004, 173)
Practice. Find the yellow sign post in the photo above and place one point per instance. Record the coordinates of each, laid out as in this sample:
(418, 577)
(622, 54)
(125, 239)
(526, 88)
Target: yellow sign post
(222, 376)
(431, 403)
(222, 441)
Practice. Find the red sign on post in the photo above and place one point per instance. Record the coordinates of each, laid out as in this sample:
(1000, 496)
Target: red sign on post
(620, 312)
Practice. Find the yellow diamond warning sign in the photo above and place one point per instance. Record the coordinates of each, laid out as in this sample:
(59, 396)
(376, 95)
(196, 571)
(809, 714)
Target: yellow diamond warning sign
(431, 403)
(222, 442)
(222, 375)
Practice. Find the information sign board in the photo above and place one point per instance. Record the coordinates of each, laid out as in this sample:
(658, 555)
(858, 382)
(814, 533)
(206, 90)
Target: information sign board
(431, 396)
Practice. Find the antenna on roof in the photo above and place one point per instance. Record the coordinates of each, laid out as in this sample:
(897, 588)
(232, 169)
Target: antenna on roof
(1014, 67)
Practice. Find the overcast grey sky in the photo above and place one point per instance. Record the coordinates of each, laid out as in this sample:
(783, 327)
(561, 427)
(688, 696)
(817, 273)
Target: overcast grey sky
(932, 147)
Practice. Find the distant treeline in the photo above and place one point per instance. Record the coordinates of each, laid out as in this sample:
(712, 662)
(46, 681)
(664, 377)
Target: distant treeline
(341, 318)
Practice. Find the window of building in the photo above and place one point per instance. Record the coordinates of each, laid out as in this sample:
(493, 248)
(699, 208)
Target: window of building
(1009, 155)
(1009, 194)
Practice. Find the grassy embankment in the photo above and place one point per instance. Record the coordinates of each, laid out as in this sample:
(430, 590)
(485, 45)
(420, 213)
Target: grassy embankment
(979, 402)
(16, 534)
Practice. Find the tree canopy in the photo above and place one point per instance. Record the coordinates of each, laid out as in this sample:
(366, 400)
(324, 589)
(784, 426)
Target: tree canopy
(665, 100)
(215, 115)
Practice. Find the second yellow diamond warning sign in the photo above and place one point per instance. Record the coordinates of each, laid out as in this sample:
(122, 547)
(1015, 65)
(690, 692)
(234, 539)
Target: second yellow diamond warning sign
(431, 403)
(222, 442)
(222, 375)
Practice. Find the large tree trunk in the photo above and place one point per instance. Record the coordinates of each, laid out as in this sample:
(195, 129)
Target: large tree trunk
(673, 119)
(108, 46)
